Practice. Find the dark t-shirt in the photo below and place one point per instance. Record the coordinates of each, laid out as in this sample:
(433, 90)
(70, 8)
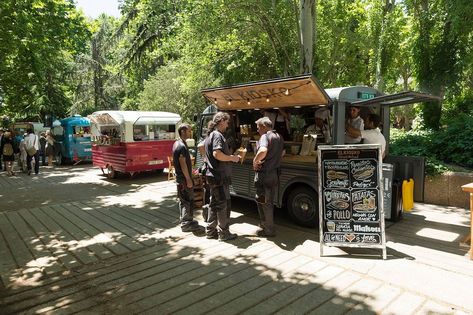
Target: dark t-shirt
(180, 149)
(216, 141)
(275, 145)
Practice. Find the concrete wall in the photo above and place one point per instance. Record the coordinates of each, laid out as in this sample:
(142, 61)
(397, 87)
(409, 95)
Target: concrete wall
(446, 189)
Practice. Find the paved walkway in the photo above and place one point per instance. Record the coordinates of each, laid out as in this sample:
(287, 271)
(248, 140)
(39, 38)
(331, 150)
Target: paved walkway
(84, 244)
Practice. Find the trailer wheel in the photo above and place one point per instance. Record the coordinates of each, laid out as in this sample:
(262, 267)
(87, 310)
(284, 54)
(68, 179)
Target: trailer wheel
(111, 172)
(302, 205)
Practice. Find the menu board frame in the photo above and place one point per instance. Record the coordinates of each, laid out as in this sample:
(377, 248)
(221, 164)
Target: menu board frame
(351, 207)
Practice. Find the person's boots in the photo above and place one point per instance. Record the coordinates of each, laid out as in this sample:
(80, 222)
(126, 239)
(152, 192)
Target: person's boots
(222, 228)
(268, 223)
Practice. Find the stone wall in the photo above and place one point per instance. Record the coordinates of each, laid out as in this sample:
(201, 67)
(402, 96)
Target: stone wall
(446, 189)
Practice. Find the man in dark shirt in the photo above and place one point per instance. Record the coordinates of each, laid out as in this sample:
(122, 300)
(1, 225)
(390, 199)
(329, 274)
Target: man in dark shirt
(218, 172)
(185, 185)
(270, 149)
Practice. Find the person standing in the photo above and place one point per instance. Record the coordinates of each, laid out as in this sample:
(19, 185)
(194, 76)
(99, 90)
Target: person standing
(8, 152)
(372, 134)
(321, 125)
(2, 167)
(356, 122)
(218, 172)
(50, 147)
(185, 185)
(32, 148)
(270, 149)
(42, 148)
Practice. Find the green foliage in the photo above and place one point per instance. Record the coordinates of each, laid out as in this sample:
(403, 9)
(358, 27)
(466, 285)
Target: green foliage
(417, 143)
(38, 42)
(452, 144)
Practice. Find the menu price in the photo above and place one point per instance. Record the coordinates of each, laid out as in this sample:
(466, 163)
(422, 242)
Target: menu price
(350, 196)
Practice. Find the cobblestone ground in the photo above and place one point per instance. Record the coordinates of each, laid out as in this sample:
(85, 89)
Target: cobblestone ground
(72, 241)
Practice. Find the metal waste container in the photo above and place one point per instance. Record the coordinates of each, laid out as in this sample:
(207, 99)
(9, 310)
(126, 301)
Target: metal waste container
(392, 194)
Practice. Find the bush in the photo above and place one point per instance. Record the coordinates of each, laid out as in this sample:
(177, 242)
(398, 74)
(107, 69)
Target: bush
(452, 144)
(417, 143)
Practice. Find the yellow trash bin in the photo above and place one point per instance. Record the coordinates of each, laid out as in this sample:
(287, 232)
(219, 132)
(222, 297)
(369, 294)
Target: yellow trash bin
(408, 194)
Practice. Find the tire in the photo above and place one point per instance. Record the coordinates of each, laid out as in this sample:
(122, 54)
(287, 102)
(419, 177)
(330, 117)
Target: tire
(111, 173)
(303, 206)
(59, 159)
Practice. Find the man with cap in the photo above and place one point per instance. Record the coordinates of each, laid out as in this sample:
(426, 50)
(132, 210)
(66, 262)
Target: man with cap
(322, 124)
(356, 122)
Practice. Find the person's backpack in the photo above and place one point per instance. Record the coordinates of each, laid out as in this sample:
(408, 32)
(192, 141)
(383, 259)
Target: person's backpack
(7, 149)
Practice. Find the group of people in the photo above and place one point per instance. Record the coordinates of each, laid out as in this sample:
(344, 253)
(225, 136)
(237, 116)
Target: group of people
(217, 170)
(27, 150)
(266, 164)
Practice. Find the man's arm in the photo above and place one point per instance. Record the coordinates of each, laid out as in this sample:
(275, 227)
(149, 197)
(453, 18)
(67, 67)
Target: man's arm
(219, 155)
(185, 171)
(352, 132)
(259, 157)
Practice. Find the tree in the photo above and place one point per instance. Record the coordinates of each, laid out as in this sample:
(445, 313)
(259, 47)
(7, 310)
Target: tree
(38, 41)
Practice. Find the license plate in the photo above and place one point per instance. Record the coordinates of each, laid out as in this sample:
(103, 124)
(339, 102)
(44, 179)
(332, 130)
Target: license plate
(155, 162)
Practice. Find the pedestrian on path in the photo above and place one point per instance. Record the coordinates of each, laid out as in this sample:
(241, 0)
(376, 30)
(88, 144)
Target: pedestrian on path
(50, 147)
(32, 149)
(8, 152)
(266, 163)
(185, 185)
(218, 172)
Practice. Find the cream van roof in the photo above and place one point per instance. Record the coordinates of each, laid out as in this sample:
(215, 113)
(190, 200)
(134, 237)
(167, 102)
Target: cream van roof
(117, 117)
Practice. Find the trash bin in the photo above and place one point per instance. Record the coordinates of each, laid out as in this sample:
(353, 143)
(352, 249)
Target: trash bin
(392, 194)
(388, 171)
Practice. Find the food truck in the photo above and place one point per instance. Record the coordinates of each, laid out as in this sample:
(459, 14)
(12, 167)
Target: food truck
(20, 127)
(132, 141)
(300, 96)
(73, 144)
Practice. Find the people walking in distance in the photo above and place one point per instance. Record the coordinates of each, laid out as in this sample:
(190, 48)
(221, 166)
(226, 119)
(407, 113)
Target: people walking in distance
(270, 149)
(2, 166)
(8, 152)
(23, 154)
(185, 185)
(32, 150)
(50, 147)
(42, 148)
(356, 122)
(218, 172)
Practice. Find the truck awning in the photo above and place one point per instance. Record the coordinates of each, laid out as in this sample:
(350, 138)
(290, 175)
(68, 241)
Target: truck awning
(302, 90)
(403, 98)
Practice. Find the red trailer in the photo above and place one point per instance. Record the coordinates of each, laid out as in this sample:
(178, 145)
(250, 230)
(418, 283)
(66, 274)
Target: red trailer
(132, 141)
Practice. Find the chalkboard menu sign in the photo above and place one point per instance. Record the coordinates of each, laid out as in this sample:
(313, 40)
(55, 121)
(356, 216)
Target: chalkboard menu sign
(350, 199)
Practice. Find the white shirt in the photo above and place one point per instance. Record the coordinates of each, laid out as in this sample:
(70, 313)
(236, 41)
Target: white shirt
(356, 123)
(374, 136)
(32, 140)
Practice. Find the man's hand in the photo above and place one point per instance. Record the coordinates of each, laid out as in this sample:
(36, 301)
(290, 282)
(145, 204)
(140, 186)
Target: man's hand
(189, 183)
(235, 158)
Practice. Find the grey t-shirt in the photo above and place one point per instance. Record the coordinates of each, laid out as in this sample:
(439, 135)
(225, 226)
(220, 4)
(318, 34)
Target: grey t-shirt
(216, 141)
(275, 145)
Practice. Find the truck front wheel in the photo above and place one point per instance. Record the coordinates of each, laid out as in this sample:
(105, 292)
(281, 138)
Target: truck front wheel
(302, 205)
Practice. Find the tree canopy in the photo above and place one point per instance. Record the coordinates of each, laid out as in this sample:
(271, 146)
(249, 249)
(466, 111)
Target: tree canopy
(159, 54)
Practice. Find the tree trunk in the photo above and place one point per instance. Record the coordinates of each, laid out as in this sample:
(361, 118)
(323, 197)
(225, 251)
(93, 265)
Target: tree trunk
(306, 20)
(380, 67)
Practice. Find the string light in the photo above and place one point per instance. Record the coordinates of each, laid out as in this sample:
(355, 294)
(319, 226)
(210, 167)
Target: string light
(285, 92)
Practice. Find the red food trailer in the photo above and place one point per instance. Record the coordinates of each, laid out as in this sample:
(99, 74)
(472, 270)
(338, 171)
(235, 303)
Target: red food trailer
(132, 141)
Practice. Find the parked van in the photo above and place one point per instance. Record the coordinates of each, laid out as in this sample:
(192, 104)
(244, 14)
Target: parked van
(300, 97)
(73, 140)
(132, 141)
